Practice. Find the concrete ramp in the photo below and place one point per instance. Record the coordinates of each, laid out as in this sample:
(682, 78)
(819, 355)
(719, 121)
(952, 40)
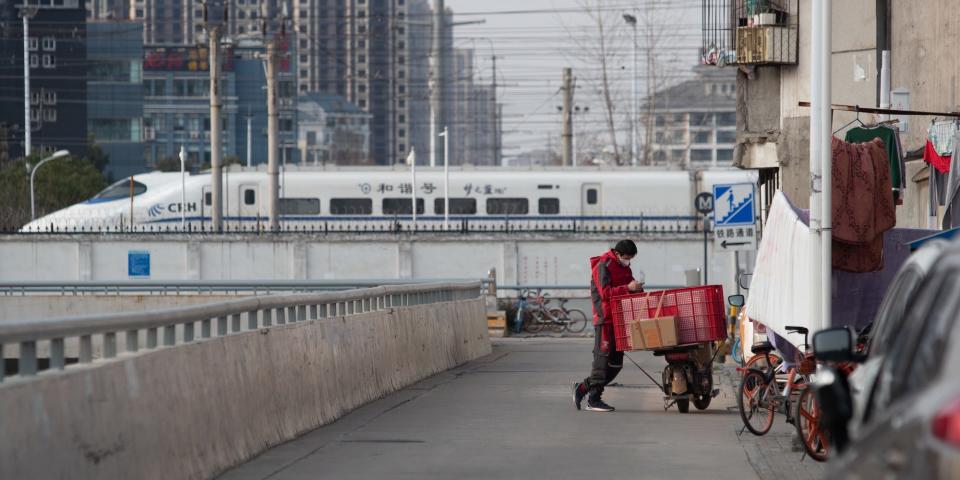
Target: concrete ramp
(192, 411)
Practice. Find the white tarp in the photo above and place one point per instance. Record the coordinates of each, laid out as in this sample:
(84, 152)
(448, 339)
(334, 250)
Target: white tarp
(780, 290)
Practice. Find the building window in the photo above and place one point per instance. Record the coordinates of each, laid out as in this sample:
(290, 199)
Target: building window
(298, 206)
(303, 74)
(139, 13)
(401, 60)
(362, 58)
(402, 133)
(701, 155)
(549, 206)
(49, 97)
(351, 206)
(303, 29)
(724, 155)
(34, 44)
(49, 61)
(362, 104)
(402, 118)
(458, 206)
(34, 61)
(726, 136)
(727, 119)
(401, 206)
(303, 43)
(49, 44)
(702, 137)
(49, 115)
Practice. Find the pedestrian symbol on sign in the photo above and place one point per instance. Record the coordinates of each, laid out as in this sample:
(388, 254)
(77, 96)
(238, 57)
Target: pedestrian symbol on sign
(734, 205)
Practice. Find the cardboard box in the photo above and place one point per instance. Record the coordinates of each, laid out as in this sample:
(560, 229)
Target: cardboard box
(652, 333)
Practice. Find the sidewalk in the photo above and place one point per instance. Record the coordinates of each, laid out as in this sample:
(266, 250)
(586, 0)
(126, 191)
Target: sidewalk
(777, 454)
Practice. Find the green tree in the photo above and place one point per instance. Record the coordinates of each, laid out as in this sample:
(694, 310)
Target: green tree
(57, 185)
(171, 164)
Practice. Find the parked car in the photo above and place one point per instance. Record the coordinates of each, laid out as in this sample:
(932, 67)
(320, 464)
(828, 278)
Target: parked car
(909, 423)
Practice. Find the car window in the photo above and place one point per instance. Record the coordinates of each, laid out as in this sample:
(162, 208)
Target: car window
(895, 362)
(927, 358)
(889, 320)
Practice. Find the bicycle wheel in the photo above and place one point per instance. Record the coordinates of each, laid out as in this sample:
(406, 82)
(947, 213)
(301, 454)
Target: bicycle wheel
(578, 320)
(815, 441)
(557, 320)
(755, 400)
(759, 362)
(534, 322)
(520, 319)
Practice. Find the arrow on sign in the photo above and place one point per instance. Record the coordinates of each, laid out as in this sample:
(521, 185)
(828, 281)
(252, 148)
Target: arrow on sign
(726, 244)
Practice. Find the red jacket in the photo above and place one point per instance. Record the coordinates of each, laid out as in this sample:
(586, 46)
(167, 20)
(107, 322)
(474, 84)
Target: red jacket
(608, 279)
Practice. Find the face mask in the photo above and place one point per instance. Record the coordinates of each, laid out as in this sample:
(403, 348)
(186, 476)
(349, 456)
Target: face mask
(625, 263)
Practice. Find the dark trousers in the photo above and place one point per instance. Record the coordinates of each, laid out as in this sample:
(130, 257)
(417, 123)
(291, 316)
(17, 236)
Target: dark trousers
(606, 366)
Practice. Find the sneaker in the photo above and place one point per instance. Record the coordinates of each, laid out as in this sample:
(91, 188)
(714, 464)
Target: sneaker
(579, 391)
(598, 406)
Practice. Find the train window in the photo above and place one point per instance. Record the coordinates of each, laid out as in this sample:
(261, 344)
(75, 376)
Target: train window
(507, 206)
(208, 199)
(591, 196)
(400, 206)
(549, 206)
(351, 206)
(249, 196)
(120, 190)
(299, 206)
(458, 206)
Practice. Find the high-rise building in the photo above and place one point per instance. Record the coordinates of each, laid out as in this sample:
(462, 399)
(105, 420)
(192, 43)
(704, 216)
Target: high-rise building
(419, 43)
(471, 118)
(168, 22)
(58, 66)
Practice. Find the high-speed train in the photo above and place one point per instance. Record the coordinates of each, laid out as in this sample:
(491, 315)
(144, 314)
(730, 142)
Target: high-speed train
(383, 193)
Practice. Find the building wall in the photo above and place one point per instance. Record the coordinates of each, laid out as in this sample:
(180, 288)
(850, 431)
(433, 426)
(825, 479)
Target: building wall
(58, 86)
(115, 94)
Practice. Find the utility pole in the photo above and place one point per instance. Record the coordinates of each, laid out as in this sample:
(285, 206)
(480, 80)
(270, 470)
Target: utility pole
(634, 147)
(273, 172)
(27, 13)
(496, 116)
(438, 81)
(567, 133)
(215, 11)
(249, 139)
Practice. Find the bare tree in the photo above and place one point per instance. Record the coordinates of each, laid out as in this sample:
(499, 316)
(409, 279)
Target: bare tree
(655, 34)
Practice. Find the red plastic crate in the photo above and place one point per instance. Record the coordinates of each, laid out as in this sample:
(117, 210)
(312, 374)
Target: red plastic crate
(700, 312)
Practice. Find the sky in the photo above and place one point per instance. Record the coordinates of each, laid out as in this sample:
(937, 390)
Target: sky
(535, 39)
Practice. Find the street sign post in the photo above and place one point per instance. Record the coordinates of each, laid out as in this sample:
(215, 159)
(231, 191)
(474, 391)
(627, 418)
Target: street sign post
(704, 204)
(735, 217)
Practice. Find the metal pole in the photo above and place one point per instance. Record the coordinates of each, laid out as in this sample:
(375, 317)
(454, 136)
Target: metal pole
(816, 161)
(567, 133)
(885, 83)
(131, 203)
(706, 223)
(413, 187)
(26, 83)
(496, 117)
(826, 146)
(183, 188)
(272, 125)
(438, 81)
(446, 178)
(636, 98)
(249, 140)
(216, 170)
(33, 172)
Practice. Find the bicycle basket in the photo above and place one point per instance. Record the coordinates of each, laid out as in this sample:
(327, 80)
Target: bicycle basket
(807, 364)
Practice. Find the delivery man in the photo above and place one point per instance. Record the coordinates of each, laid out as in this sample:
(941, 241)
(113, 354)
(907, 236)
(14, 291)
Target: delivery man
(610, 276)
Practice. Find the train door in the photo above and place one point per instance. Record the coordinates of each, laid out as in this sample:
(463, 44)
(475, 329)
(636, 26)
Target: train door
(590, 200)
(248, 204)
(206, 204)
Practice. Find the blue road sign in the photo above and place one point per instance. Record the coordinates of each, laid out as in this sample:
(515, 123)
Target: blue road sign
(138, 263)
(734, 205)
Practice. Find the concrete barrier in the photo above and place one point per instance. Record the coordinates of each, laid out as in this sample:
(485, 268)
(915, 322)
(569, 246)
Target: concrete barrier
(192, 411)
(24, 307)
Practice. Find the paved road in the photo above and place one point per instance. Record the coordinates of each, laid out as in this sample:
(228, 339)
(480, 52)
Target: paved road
(510, 415)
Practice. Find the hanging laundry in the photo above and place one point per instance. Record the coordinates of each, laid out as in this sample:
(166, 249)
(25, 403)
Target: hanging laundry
(863, 206)
(891, 142)
(951, 217)
(941, 136)
(933, 157)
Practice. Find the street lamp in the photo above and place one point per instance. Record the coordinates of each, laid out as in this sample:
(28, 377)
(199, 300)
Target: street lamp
(33, 171)
(632, 21)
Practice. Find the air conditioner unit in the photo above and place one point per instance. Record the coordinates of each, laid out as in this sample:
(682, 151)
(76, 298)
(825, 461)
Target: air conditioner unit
(195, 135)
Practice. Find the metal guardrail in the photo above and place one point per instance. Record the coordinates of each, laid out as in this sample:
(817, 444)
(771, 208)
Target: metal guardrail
(177, 287)
(259, 311)
(575, 287)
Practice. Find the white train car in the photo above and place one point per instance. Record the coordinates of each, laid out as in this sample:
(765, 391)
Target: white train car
(376, 197)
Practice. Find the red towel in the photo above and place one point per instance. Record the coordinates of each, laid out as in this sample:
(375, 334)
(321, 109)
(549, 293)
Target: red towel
(930, 155)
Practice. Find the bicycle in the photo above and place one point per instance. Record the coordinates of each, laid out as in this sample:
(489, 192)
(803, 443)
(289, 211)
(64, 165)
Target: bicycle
(533, 314)
(759, 399)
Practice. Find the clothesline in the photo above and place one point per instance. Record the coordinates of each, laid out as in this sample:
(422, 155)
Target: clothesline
(888, 111)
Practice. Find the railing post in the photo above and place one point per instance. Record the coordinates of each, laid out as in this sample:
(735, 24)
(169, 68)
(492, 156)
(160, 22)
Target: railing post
(56, 354)
(109, 345)
(235, 324)
(28, 358)
(133, 341)
(221, 326)
(86, 348)
(252, 323)
(170, 335)
(152, 338)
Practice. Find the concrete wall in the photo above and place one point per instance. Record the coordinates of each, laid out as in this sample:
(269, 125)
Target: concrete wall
(192, 411)
(520, 258)
(26, 307)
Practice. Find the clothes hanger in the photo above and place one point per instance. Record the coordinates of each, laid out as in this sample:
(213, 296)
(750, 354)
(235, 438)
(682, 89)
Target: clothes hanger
(855, 120)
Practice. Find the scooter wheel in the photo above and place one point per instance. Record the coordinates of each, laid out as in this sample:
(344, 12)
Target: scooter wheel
(702, 402)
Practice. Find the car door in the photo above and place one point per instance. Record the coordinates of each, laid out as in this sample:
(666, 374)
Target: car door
(885, 444)
(248, 203)
(591, 201)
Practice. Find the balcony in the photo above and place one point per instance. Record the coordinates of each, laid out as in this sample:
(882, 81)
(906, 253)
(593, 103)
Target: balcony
(750, 32)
